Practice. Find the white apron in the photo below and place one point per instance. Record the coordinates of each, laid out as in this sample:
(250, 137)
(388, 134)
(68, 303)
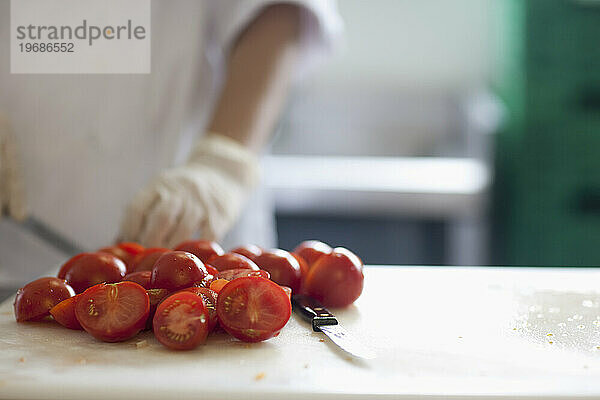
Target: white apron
(88, 143)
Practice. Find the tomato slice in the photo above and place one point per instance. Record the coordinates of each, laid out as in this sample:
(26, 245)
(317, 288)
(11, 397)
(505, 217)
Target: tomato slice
(231, 274)
(203, 249)
(210, 300)
(181, 321)
(232, 261)
(113, 312)
(336, 279)
(283, 267)
(253, 309)
(93, 268)
(35, 299)
(177, 270)
(142, 278)
(64, 313)
(312, 250)
(218, 284)
(145, 260)
(250, 251)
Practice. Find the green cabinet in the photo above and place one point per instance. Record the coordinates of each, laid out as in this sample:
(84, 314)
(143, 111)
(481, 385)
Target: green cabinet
(547, 192)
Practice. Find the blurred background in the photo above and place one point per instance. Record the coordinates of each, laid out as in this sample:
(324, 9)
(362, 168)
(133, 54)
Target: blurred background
(450, 132)
(461, 132)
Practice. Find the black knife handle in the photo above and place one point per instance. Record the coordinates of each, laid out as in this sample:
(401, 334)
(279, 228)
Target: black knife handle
(313, 311)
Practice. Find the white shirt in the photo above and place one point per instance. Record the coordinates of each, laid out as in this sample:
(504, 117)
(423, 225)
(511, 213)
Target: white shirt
(89, 142)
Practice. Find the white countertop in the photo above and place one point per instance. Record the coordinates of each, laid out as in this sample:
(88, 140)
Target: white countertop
(463, 332)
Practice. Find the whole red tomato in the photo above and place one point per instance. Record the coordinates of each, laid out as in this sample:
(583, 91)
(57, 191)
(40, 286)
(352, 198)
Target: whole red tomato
(145, 260)
(232, 261)
(312, 250)
(283, 267)
(203, 249)
(35, 299)
(336, 279)
(142, 278)
(250, 251)
(120, 253)
(177, 270)
(93, 268)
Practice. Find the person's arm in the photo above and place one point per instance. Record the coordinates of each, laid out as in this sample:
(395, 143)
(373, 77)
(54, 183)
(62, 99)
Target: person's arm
(259, 73)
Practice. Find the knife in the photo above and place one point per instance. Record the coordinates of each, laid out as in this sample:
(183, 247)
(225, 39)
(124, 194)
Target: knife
(324, 321)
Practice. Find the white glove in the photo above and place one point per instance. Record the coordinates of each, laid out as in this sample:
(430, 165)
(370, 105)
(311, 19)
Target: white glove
(205, 195)
(12, 194)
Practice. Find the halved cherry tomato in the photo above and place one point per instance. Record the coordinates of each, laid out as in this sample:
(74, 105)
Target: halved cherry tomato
(210, 300)
(203, 249)
(312, 250)
(131, 248)
(113, 312)
(218, 284)
(232, 261)
(145, 260)
(64, 313)
(253, 309)
(62, 272)
(303, 269)
(120, 253)
(155, 296)
(177, 270)
(93, 268)
(34, 300)
(336, 279)
(142, 278)
(231, 274)
(250, 251)
(210, 269)
(181, 321)
(283, 267)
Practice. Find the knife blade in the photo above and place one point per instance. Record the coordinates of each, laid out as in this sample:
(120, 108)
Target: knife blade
(324, 321)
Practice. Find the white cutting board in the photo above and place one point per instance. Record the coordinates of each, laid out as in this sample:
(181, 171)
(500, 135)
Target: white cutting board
(472, 332)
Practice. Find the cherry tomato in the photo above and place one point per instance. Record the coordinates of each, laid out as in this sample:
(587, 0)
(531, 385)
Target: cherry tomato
(131, 248)
(311, 250)
(210, 269)
(94, 268)
(336, 279)
(34, 300)
(232, 261)
(218, 284)
(120, 253)
(142, 278)
(253, 309)
(64, 313)
(203, 249)
(250, 251)
(210, 300)
(62, 272)
(283, 267)
(181, 321)
(155, 296)
(145, 260)
(303, 269)
(231, 274)
(177, 270)
(113, 312)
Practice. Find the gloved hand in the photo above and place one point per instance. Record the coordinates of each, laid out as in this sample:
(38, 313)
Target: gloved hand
(12, 194)
(205, 195)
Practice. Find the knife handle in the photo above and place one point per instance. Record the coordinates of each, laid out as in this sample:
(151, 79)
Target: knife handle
(313, 311)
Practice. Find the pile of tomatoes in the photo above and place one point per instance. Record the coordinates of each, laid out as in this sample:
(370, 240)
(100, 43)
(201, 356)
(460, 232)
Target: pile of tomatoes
(186, 293)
